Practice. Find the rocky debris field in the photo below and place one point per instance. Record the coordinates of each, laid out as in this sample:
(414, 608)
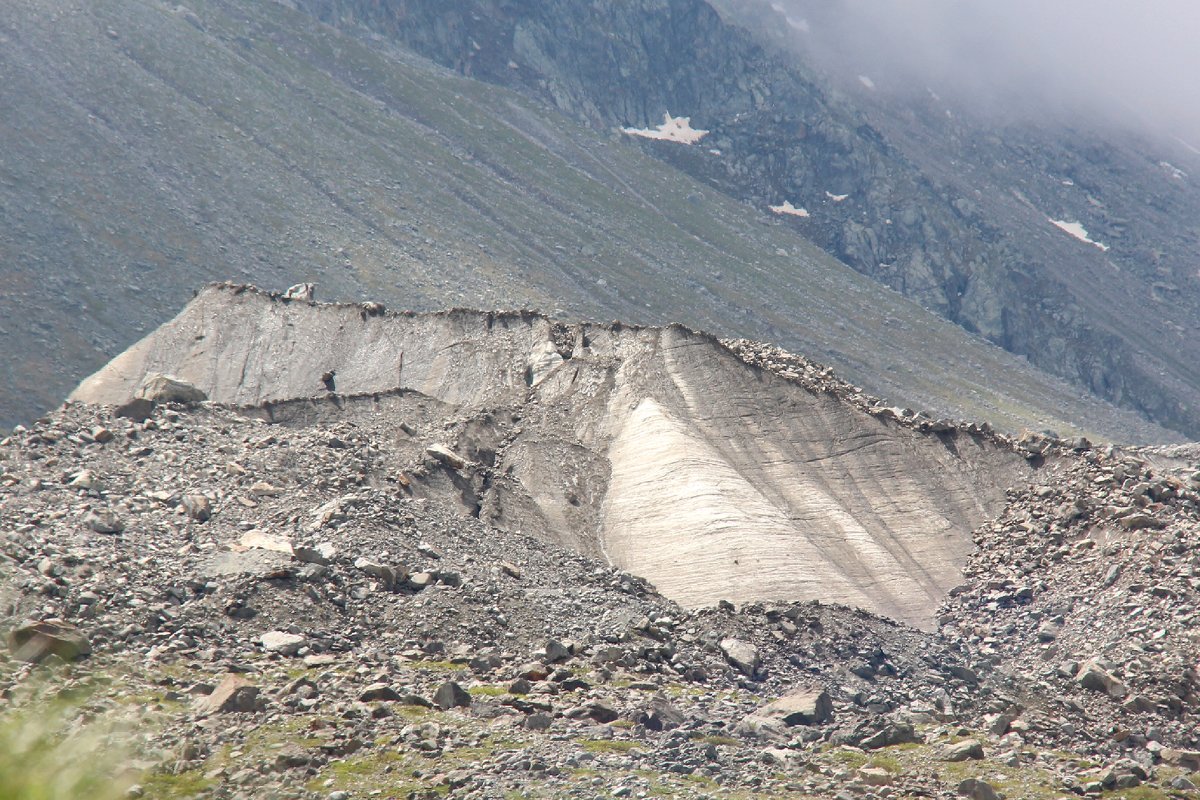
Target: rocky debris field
(304, 608)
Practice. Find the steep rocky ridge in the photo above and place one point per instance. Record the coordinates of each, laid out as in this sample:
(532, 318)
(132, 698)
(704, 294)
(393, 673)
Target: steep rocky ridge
(150, 147)
(658, 449)
(952, 212)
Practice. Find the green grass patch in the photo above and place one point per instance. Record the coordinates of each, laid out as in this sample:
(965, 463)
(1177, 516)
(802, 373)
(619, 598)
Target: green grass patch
(850, 759)
(620, 746)
(718, 741)
(44, 755)
(165, 786)
(384, 772)
(437, 666)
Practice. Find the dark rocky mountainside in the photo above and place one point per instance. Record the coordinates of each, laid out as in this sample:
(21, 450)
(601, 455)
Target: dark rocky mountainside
(148, 148)
(953, 211)
(299, 592)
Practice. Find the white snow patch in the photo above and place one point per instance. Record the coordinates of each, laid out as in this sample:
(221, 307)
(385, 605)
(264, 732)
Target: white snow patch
(1172, 170)
(867, 82)
(714, 151)
(1068, 182)
(786, 207)
(1077, 230)
(936, 97)
(795, 24)
(837, 198)
(673, 129)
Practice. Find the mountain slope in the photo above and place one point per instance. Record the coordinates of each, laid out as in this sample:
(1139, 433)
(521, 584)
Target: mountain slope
(953, 213)
(148, 149)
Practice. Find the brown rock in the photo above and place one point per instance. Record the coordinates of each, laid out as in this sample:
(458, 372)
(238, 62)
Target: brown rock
(198, 507)
(1093, 676)
(234, 694)
(35, 641)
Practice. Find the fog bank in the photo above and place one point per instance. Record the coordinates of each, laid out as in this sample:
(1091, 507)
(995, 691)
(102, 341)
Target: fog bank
(1134, 63)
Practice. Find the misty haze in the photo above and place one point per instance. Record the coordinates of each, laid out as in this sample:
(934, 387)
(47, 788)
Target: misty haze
(1116, 61)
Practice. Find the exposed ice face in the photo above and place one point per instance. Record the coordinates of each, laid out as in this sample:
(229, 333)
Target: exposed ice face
(673, 129)
(1077, 230)
(786, 207)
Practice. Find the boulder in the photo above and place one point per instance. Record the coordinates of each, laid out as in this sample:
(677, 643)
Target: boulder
(198, 507)
(976, 789)
(556, 651)
(451, 695)
(159, 388)
(35, 641)
(379, 693)
(1094, 677)
(261, 540)
(742, 655)
(967, 749)
(446, 456)
(806, 707)
(139, 409)
(234, 694)
(874, 776)
(288, 644)
(104, 521)
(320, 553)
(890, 733)
(660, 715)
(302, 292)
(1185, 759)
(389, 576)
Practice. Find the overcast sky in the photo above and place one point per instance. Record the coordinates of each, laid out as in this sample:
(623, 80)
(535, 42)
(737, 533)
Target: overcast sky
(1134, 61)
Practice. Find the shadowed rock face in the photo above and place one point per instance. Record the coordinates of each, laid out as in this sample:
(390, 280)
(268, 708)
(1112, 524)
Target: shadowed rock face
(656, 448)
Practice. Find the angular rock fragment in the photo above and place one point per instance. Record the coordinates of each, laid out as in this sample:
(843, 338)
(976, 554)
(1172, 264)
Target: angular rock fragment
(976, 789)
(234, 694)
(742, 655)
(446, 456)
(967, 749)
(451, 695)
(800, 708)
(379, 692)
(257, 539)
(36, 641)
(288, 644)
(660, 715)
(1094, 677)
(159, 388)
(198, 507)
(104, 521)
